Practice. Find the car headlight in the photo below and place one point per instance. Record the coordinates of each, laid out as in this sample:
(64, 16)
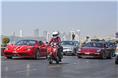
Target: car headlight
(29, 49)
(116, 52)
(98, 50)
(6, 48)
(79, 50)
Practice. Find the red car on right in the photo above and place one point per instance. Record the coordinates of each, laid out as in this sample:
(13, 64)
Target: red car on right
(95, 49)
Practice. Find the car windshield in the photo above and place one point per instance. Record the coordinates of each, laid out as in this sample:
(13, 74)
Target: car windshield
(111, 44)
(100, 45)
(26, 42)
(67, 43)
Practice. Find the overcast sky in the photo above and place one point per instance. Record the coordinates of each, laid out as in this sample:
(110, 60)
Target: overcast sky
(91, 18)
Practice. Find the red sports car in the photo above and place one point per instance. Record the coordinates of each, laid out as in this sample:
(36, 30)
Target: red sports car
(26, 49)
(95, 49)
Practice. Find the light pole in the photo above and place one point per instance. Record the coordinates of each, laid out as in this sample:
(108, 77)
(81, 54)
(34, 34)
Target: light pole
(78, 33)
(21, 33)
(47, 36)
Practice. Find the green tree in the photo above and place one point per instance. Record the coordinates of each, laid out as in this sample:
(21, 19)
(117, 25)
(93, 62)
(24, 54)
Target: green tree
(5, 41)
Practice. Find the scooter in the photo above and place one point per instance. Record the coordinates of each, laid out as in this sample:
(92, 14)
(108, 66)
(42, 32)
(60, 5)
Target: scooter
(52, 53)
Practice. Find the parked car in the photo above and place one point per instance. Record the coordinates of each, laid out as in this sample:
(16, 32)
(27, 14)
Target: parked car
(26, 49)
(70, 47)
(95, 49)
(116, 52)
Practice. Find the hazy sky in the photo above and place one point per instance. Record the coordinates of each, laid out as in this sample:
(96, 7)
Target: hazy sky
(92, 18)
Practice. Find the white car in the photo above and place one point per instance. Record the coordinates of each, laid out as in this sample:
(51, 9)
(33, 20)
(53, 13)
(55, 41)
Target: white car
(116, 59)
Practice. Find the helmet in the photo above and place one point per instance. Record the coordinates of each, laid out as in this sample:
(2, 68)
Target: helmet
(55, 34)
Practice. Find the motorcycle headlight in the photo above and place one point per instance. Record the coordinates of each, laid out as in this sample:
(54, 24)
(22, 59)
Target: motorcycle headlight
(54, 49)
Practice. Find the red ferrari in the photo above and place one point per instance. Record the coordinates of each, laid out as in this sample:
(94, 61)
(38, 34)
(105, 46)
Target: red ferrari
(26, 49)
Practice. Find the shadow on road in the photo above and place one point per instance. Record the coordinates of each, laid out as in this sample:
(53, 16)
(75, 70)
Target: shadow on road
(95, 58)
(24, 59)
(63, 63)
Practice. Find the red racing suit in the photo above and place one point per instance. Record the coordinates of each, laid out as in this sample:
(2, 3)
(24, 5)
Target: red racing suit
(55, 40)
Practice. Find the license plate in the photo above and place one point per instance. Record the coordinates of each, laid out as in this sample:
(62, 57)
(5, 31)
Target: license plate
(87, 53)
(15, 52)
(66, 50)
(87, 56)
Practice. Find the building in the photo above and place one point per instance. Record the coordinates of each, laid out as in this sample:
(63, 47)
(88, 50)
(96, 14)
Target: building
(36, 33)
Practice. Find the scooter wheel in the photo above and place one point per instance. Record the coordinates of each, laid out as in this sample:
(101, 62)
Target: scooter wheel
(50, 62)
(57, 61)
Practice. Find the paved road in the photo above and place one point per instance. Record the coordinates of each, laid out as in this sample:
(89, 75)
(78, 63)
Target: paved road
(71, 67)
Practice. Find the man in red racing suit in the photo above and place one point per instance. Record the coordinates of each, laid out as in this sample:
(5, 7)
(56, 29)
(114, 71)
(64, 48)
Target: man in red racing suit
(56, 39)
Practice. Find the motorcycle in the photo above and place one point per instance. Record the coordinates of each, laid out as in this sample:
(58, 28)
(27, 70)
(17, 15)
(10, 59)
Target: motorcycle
(52, 51)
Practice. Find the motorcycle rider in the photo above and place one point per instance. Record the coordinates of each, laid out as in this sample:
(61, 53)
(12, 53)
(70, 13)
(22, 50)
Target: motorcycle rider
(56, 39)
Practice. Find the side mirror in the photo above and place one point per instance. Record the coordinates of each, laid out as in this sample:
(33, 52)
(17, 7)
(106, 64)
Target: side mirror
(105, 46)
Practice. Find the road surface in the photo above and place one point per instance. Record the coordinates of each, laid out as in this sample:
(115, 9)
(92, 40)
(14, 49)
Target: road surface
(71, 67)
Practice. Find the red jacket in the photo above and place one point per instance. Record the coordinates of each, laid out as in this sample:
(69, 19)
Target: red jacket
(55, 40)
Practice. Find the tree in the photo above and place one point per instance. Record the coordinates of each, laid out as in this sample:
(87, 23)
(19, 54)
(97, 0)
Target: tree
(5, 41)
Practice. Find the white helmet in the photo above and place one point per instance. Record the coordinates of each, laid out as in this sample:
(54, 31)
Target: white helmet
(55, 34)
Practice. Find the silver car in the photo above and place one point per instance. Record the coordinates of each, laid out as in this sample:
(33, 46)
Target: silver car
(70, 47)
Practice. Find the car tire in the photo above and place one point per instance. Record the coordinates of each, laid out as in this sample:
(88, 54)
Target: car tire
(110, 55)
(9, 57)
(37, 55)
(79, 56)
(116, 62)
(57, 62)
(103, 55)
